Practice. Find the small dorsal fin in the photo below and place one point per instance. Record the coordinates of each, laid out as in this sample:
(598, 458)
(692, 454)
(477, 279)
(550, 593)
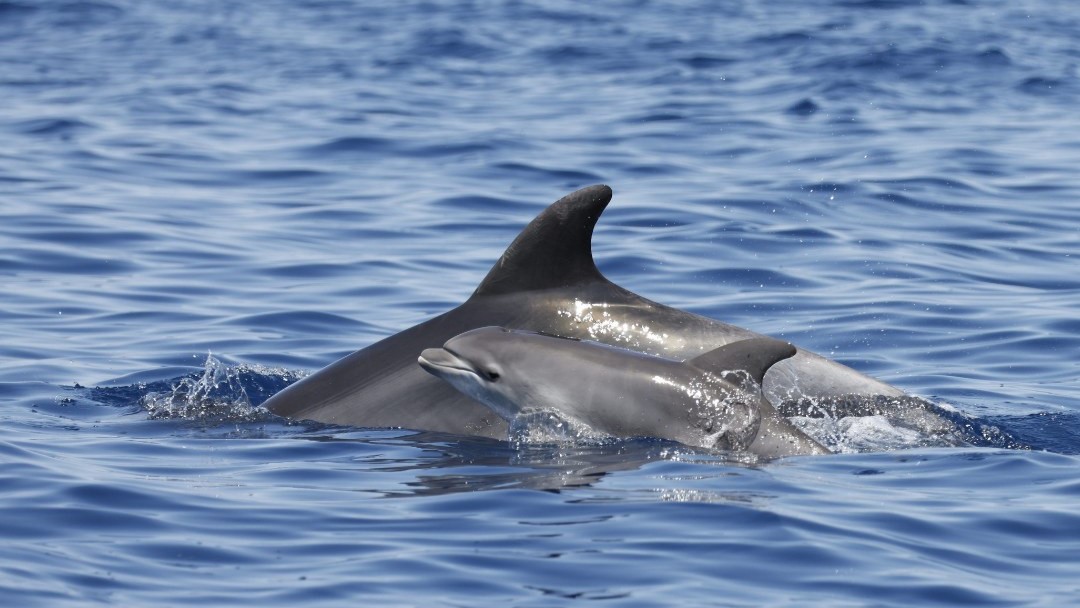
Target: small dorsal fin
(554, 250)
(754, 356)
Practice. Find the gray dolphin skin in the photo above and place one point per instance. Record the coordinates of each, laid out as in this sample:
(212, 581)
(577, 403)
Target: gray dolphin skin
(547, 282)
(711, 401)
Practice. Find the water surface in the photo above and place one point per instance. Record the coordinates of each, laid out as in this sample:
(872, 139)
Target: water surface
(890, 184)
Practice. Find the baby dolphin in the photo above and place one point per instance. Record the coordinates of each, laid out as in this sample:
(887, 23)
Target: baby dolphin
(713, 400)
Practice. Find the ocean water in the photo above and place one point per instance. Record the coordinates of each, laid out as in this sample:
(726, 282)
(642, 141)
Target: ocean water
(202, 201)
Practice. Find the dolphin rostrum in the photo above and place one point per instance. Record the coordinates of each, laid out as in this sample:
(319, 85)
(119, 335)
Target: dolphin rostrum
(712, 401)
(546, 281)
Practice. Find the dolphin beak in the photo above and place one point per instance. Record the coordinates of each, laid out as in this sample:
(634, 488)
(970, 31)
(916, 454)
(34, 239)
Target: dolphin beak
(439, 362)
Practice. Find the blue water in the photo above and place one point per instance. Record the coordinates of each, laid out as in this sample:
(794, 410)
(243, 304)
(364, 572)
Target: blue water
(201, 201)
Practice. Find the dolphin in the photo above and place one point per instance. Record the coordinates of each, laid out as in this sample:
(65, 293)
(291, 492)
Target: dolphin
(546, 281)
(713, 400)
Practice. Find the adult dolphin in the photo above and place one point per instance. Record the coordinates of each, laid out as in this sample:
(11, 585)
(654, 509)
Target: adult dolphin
(546, 281)
(712, 401)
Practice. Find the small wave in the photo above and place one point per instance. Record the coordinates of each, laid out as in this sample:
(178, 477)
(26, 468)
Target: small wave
(566, 176)
(993, 57)
(352, 145)
(64, 263)
(309, 270)
(280, 175)
(480, 204)
(705, 61)
(655, 117)
(804, 107)
(301, 321)
(16, 9)
(452, 43)
(448, 150)
(874, 4)
(1041, 85)
(1051, 431)
(79, 13)
(751, 278)
(63, 127)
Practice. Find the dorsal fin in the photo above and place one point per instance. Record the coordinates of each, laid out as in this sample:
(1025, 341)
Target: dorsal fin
(554, 250)
(754, 356)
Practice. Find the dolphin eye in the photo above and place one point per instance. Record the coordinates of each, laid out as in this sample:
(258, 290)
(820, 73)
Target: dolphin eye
(492, 375)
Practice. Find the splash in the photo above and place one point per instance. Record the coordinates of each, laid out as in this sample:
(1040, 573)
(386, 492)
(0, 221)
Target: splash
(544, 426)
(878, 423)
(220, 394)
